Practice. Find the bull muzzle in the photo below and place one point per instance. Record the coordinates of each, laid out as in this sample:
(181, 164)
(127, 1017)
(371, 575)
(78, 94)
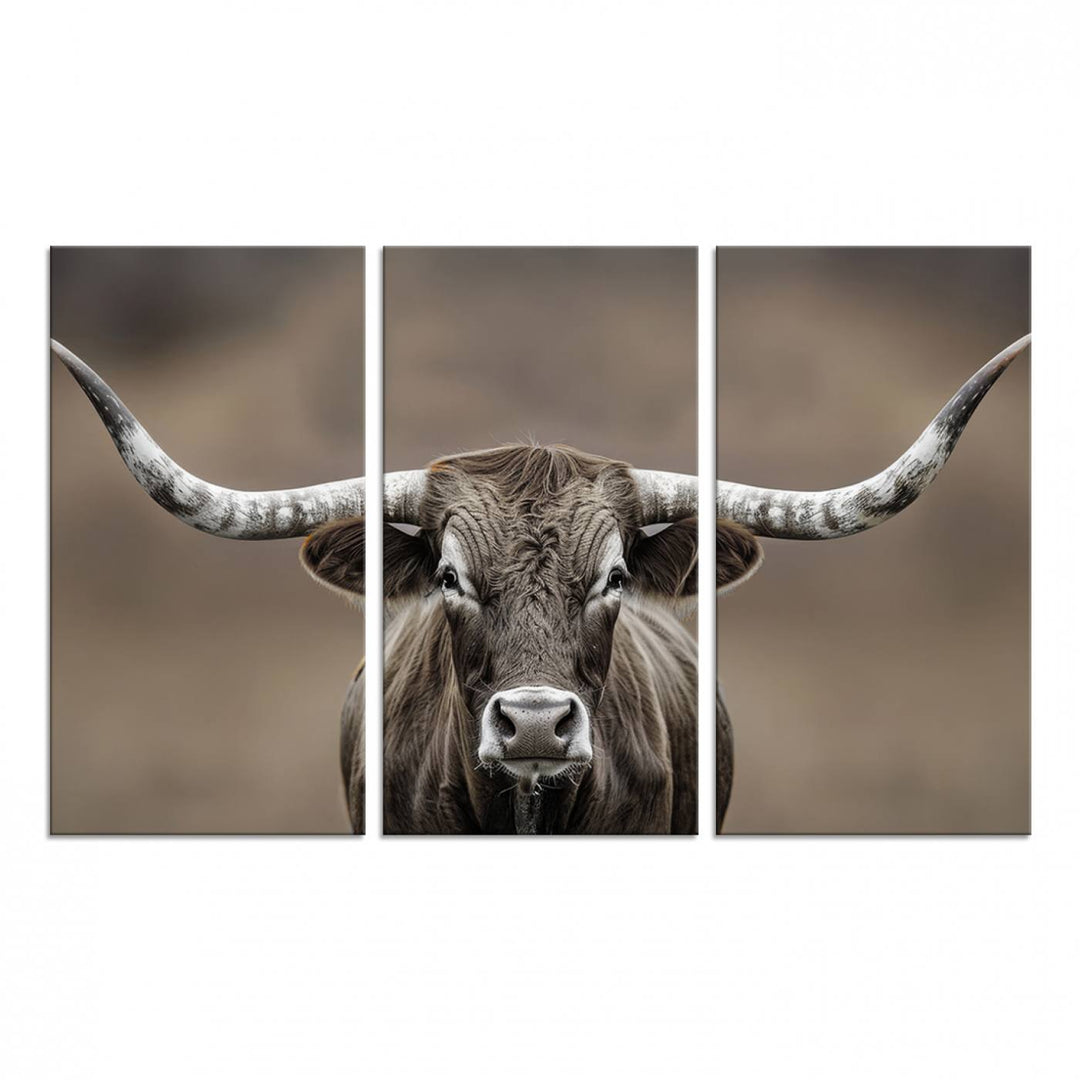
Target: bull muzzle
(535, 731)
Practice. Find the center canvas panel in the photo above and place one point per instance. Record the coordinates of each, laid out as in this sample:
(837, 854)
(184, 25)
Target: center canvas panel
(540, 659)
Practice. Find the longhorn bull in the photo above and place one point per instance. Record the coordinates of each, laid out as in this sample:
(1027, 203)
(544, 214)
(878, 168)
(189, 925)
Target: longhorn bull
(537, 675)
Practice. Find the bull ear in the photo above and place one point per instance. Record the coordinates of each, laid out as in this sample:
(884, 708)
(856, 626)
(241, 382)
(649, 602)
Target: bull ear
(664, 565)
(738, 555)
(334, 556)
(408, 564)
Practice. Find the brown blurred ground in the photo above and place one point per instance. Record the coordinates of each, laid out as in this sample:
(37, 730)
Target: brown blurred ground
(878, 683)
(197, 682)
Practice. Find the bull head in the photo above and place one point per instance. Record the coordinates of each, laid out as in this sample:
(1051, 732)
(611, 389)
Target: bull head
(527, 554)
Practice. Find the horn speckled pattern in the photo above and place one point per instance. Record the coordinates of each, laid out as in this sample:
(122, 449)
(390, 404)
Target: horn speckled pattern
(829, 515)
(236, 515)
(402, 494)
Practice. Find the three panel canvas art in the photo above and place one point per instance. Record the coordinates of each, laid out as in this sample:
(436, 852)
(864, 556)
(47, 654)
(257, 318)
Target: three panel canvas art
(540, 541)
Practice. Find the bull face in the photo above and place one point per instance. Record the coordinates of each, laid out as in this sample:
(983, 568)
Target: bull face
(531, 598)
(528, 555)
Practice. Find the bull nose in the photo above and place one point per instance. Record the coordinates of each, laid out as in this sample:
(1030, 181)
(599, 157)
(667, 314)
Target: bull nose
(533, 727)
(535, 722)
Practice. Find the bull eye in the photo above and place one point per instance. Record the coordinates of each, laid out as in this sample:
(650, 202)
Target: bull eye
(448, 579)
(616, 579)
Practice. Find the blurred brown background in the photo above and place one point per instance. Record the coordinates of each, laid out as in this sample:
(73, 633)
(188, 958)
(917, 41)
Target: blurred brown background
(878, 683)
(593, 347)
(197, 682)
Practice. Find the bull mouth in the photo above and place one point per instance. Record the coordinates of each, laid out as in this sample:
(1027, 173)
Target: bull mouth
(533, 769)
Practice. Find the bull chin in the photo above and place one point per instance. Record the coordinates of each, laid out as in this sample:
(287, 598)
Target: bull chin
(530, 771)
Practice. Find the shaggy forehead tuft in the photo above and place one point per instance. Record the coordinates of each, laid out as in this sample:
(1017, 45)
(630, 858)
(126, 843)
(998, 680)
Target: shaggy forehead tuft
(523, 505)
(518, 481)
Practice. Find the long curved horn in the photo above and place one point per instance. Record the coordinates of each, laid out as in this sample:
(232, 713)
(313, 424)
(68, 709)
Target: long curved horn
(827, 515)
(237, 515)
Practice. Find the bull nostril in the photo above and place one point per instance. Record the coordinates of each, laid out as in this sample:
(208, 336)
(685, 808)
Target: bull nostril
(564, 726)
(503, 724)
